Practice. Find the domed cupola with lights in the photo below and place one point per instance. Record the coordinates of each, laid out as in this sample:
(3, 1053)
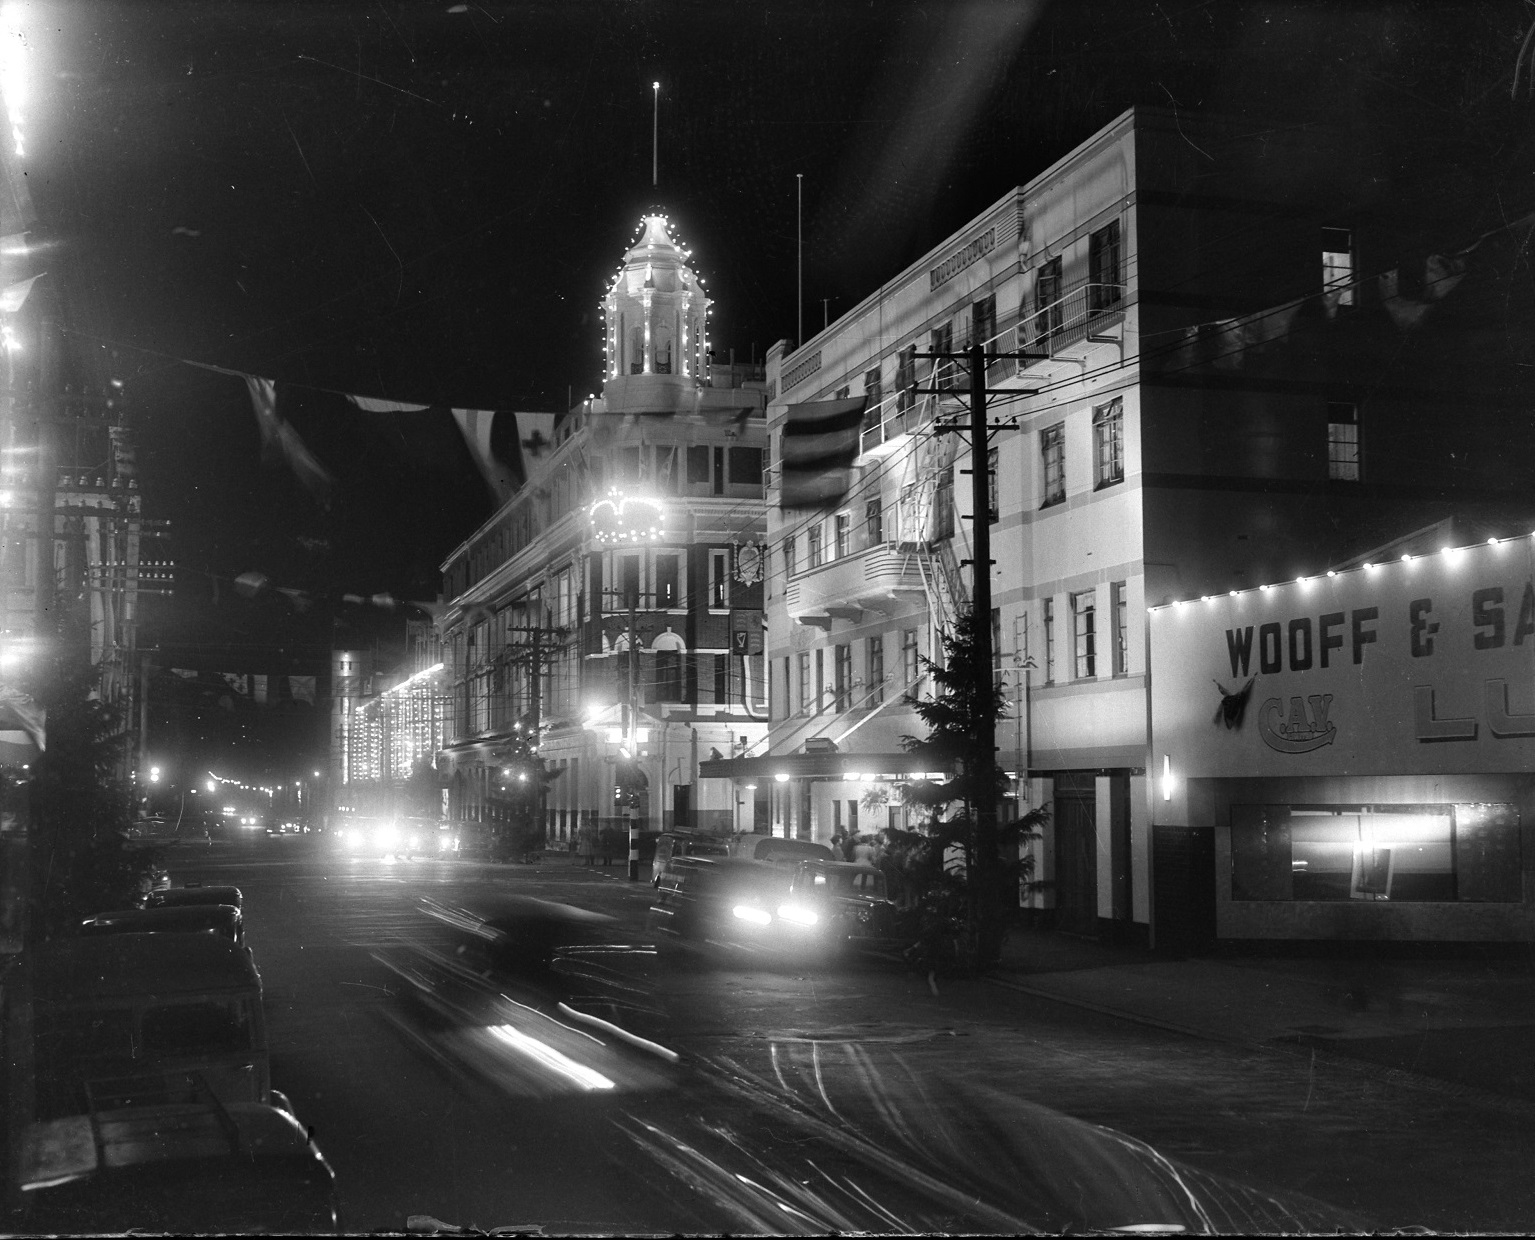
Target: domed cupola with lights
(656, 312)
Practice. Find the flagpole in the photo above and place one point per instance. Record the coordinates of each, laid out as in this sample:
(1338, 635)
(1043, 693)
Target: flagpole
(799, 229)
(655, 134)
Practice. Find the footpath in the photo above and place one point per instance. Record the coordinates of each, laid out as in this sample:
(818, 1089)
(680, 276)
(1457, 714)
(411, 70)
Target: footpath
(1467, 1018)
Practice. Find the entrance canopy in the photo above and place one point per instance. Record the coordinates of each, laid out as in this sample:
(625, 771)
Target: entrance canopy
(846, 766)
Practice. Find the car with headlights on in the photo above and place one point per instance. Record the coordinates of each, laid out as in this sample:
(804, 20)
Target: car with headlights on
(830, 906)
(728, 901)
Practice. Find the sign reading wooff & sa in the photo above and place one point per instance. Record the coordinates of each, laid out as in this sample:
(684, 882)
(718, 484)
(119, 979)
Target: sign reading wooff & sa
(1412, 666)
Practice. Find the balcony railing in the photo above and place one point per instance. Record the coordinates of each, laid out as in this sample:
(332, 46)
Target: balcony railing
(868, 579)
(1069, 319)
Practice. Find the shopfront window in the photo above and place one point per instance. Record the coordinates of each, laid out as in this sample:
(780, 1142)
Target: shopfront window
(1402, 853)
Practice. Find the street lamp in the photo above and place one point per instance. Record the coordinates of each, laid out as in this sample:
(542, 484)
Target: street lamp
(154, 774)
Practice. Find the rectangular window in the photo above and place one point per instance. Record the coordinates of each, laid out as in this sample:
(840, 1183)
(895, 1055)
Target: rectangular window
(786, 702)
(804, 682)
(719, 471)
(875, 670)
(1084, 635)
(874, 521)
(943, 506)
(1109, 443)
(721, 678)
(629, 464)
(1105, 272)
(1376, 853)
(698, 465)
(790, 567)
(836, 818)
(852, 817)
(668, 676)
(1121, 609)
(719, 577)
(820, 679)
(814, 535)
(844, 679)
(1342, 441)
(1049, 626)
(873, 394)
(629, 580)
(745, 466)
(944, 370)
(906, 379)
(1047, 300)
(1052, 455)
(844, 533)
(993, 507)
(667, 585)
(1337, 268)
(909, 664)
(983, 323)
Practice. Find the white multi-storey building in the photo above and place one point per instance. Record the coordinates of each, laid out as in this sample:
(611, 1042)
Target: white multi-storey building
(1206, 400)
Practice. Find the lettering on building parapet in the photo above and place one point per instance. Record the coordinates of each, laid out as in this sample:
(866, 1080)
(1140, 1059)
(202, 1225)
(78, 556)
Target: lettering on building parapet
(803, 371)
(962, 258)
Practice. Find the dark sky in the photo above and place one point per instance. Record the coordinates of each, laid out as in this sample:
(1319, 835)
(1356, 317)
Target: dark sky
(411, 201)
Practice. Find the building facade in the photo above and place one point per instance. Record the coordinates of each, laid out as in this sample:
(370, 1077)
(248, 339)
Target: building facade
(1218, 357)
(612, 608)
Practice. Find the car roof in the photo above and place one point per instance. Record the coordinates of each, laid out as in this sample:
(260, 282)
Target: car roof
(808, 848)
(111, 966)
(168, 916)
(215, 894)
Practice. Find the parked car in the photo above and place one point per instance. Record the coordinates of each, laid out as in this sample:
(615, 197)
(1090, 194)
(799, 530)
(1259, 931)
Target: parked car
(130, 1019)
(192, 893)
(190, 1168)
(778, 851)
(674, 844)
(224, 920)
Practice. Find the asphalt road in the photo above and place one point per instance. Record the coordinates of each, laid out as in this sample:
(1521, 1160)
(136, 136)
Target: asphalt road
(809, 1075)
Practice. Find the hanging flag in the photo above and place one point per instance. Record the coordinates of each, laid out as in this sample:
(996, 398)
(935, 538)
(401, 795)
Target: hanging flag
(477, 426)
(277, 437)
(235, 680)
(14, 296)
(302, 688)
(820, 444)
(376, 404)
(258, 689)
(185, 673)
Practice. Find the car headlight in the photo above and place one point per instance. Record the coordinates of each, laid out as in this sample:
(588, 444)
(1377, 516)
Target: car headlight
(387, 837)
(798, 914)
(753, 914)
(444, 842)
(415, 841)
(354, 836)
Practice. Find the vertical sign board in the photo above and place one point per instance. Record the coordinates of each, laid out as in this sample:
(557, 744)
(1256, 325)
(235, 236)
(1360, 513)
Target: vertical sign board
(1417, 666)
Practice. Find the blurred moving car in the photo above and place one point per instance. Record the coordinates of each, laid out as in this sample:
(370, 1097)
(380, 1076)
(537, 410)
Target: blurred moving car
(130, 1019)
(194, 894)
(520, 994)
(397, 837)
(190, 1168)
(221, 919)
(674, 844)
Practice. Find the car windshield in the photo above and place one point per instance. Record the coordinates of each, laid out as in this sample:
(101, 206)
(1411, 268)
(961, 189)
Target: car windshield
(816, 616)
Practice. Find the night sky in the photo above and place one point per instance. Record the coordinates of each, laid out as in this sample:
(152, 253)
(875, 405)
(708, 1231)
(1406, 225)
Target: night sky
(425, 201)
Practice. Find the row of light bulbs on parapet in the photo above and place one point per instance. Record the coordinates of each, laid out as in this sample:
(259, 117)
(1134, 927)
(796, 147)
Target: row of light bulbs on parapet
(1448, 553)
